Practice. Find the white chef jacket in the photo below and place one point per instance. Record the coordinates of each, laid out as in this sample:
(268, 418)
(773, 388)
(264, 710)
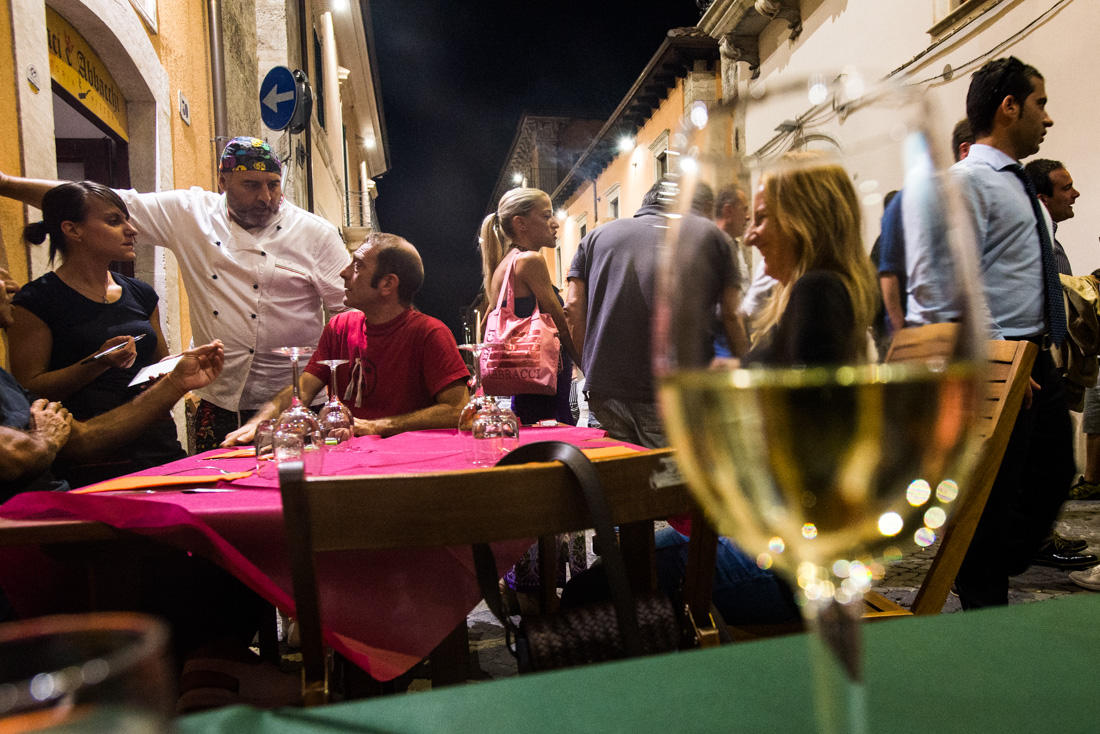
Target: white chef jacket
(255, 290)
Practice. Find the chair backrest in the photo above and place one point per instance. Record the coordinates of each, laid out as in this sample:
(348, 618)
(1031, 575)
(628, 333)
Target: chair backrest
(462, 508)
(1009, 370)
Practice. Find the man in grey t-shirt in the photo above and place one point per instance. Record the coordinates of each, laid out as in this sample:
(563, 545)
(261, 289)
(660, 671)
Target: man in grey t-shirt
(612, 287)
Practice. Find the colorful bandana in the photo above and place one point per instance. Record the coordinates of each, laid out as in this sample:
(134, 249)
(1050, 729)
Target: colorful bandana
(249, 154)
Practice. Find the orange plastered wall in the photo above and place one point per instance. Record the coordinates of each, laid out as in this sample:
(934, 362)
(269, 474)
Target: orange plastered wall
(633, 170)
(184, 50)
(11, 212)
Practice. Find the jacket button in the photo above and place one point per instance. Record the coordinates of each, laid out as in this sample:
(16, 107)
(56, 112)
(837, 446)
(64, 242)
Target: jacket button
(251, 351)
(215, 313)
(214, 277)
(255, 286)
(253, 315)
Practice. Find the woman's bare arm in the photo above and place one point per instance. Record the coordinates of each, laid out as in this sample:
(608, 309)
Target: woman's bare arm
(31, 346)
(532, 272)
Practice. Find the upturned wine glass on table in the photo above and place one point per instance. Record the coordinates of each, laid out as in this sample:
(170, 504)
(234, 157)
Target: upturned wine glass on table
(823, 471)
(296, 429)
(337, 424)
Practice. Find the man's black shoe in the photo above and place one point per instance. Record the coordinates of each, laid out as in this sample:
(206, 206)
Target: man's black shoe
(1050, 556)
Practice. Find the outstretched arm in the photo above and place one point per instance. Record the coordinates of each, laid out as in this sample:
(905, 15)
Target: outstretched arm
(308, 387)
(27, 190)
(89, 439)
(444, 414)
(32, 345)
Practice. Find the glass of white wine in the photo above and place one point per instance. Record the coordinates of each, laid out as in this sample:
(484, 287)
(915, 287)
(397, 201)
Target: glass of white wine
(816, 458)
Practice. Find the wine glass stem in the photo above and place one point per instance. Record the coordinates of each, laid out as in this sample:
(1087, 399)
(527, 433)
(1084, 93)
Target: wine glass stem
(294, 385)
(477, 372)
(332, 380)
(837, 656)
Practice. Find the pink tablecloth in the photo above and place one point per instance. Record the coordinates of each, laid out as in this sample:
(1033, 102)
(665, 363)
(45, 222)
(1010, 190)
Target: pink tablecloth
(385, 610)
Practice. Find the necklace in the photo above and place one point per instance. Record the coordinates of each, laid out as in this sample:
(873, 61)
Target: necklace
(93, 296)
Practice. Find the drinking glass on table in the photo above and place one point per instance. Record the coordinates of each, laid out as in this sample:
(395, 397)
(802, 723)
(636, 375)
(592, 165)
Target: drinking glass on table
(85, 673)
(264, 441)
(337, 424)
(474, 448)
(821, 470)
(494, 431)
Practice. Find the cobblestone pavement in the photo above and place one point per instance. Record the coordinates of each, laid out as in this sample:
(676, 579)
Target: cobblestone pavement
(489, 658)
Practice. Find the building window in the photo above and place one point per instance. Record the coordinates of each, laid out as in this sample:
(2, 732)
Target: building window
(659, 149)
(611, 196)
(582, 225)
(557, 264)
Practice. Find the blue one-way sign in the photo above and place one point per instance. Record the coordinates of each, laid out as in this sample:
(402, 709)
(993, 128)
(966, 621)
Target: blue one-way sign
(278, 98)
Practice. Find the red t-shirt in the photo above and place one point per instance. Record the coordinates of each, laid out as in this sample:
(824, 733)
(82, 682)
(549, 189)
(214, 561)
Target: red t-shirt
(405, 362)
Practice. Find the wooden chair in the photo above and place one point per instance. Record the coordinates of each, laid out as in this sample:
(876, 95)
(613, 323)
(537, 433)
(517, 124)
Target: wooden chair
(479, 506)
(1010, 365)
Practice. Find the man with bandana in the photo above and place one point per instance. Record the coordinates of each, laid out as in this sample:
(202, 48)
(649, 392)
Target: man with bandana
(259, 273)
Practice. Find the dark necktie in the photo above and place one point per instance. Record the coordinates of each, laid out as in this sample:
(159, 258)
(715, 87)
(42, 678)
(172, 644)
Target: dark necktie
(1052, 285)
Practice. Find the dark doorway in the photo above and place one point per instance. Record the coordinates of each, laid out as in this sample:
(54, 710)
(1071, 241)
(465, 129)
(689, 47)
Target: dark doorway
(88, 150)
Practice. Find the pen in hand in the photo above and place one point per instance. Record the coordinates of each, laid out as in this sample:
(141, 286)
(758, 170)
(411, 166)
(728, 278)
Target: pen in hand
(111, 350)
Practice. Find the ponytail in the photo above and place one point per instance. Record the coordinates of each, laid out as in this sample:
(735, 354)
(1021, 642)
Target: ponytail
(496, 230)
(492, 241)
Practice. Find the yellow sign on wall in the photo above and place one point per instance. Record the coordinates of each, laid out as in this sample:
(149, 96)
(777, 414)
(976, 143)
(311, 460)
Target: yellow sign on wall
(79, 71)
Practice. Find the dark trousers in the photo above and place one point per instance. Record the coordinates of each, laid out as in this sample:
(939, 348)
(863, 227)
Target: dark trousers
(213, 424)
(1031, 485)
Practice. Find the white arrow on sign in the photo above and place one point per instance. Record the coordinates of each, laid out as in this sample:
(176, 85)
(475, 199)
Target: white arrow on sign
(274, 99)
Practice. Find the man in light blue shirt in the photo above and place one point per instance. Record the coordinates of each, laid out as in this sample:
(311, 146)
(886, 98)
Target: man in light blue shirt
(1006, 106)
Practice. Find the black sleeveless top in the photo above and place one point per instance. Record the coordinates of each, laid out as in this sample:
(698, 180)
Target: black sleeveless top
(79, 326)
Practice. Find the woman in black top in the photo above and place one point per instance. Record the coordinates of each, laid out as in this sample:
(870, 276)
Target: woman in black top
(83, 308)
(806, 224)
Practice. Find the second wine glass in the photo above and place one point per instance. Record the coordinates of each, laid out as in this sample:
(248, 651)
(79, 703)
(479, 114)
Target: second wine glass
(298, 419)
(337, 424)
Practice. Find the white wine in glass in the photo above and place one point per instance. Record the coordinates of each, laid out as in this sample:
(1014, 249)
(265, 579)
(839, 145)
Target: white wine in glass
(819, 461)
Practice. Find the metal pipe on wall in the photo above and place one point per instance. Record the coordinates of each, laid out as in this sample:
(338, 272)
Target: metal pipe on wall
(217, 73)
(305, 27)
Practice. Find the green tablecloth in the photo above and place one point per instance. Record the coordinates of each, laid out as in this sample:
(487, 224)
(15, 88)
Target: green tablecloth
(1033, 667)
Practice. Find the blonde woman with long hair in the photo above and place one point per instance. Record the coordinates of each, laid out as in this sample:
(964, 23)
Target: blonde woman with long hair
(518, 230)
(806, 224)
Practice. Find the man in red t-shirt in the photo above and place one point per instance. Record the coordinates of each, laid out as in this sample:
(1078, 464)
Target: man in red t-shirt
(404, 372)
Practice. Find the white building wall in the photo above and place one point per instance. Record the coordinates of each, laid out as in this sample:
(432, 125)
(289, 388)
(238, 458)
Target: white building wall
(882, 35)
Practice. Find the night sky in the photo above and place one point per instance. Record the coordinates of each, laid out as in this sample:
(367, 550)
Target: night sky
(457, 75)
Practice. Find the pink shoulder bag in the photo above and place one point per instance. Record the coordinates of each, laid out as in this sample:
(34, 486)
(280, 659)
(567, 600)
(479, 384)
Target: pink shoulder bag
(520, 355)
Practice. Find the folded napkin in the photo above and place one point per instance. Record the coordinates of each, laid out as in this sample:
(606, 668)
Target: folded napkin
(234, 453)
(606, 452)
(148, 482)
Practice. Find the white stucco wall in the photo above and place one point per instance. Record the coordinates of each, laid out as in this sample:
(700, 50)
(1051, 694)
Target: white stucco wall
(882, 35)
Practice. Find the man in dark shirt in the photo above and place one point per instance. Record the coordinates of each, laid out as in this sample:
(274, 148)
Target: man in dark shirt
(612, 284)
(35, 432)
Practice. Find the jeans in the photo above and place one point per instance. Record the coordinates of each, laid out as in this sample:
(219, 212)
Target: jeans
(743, 593)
